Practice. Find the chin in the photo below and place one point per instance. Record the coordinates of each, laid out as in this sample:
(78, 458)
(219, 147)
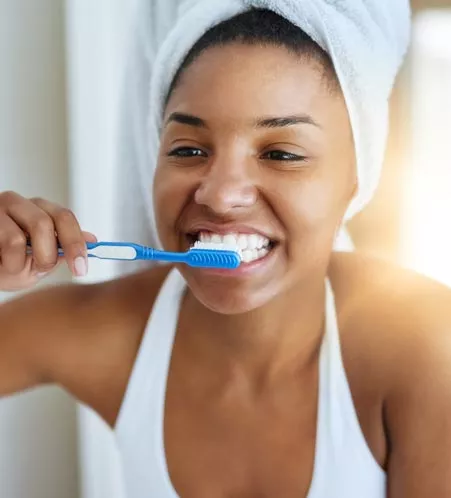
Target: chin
(228, 299)
(231, 305)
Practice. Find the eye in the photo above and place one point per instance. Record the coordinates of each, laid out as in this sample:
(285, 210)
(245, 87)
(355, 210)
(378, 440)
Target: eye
(187, 152)
(280, 155)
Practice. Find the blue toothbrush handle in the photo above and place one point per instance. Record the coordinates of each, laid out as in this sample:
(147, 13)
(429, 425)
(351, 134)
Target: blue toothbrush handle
(111, 250)
(125, 251)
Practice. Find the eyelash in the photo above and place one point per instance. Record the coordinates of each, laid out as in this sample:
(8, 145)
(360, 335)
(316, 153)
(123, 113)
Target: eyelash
(291, 157)
(181, 152)
(186, 153)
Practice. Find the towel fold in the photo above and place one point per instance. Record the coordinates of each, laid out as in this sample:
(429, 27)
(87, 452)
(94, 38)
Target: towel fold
(366, 40)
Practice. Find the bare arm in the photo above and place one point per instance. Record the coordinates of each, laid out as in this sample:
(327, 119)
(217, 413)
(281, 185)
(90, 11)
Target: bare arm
(32, 326)
(82, 337)
(418, 407)
(36, 331)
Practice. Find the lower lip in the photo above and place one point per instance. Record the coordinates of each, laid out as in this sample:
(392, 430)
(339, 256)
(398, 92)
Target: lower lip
(245, 268)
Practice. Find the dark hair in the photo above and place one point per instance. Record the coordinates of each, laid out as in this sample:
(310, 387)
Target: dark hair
(260, 27)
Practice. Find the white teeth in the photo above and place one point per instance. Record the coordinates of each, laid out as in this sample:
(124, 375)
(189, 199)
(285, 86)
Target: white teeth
(253, 246)
(246, 242)
(253, 241)
(229, 239)
(242, 241)
(247, 256)
(215, 239)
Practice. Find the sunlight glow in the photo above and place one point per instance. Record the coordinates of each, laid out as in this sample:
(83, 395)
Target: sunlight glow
(426, 216)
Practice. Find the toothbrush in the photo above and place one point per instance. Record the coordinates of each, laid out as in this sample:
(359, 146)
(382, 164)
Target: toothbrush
(201, 255)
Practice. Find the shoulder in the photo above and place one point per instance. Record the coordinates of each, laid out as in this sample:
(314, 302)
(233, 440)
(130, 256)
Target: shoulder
(398, 316)
(401, 308)
(396, 327)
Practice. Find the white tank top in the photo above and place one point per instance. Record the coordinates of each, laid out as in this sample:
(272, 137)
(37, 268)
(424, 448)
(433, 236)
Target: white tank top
(344, 466)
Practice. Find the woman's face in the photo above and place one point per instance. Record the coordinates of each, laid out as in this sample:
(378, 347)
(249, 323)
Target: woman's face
(255, 148)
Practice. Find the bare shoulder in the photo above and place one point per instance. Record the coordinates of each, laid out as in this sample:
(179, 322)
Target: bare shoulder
(83, 337)
(398, 314)
(396, 338)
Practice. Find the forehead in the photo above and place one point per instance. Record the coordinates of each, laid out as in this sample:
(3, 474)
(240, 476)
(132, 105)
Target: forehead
(245, 81)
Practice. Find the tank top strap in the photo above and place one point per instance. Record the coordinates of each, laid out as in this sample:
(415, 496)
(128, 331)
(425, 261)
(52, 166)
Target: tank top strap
(340, 442)
(344, 466)
(147, 382)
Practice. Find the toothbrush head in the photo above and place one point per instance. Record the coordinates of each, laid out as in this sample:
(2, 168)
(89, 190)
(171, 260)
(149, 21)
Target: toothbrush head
(220, 256)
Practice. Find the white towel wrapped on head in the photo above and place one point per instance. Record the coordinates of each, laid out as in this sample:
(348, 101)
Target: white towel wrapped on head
(366, 40)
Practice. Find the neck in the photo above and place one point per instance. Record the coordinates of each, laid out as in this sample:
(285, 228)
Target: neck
(278, 338)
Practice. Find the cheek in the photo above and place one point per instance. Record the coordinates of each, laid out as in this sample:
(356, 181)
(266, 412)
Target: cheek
(309, 203)
(318, 204)
(169, 194)
(163, 186)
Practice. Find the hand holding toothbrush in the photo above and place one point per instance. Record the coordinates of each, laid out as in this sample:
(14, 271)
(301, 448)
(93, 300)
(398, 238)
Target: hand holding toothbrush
(36, 235)
(38, 221)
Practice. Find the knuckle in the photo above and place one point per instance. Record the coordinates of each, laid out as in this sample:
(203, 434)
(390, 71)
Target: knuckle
(37, 200)
(43, 224)
(8, 197)
(65, 215)
(15, 240)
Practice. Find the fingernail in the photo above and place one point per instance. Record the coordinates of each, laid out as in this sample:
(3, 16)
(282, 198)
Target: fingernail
(43, 274)
(81, 267)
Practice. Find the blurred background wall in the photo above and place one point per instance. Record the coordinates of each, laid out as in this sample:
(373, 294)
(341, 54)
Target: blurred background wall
(38, 431)
(58, 95)
(410, 206)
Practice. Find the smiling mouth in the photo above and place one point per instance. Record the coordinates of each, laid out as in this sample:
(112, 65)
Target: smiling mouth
(253, 246)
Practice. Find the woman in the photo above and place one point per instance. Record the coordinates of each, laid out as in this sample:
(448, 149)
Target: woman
(305, 373)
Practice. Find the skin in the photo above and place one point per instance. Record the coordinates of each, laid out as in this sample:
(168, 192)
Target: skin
(234, 179)
(243, 379)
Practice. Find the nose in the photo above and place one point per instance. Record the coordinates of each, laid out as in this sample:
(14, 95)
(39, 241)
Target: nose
(227, 186)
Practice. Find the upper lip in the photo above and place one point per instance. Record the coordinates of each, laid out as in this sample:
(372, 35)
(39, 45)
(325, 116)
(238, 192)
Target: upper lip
(225, 228)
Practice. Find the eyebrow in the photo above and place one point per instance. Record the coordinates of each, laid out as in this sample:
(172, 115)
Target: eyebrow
(271, 122)
(186, 119)
(282, 122)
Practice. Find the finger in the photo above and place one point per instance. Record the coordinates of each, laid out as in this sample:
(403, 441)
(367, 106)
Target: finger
(69, 234)
(89, 237)
(35, 271)
(12, 246)
(8, 198)
(41, 229)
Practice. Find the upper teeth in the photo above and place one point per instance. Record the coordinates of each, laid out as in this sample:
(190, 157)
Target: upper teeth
(243, 241)
(252, 246)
